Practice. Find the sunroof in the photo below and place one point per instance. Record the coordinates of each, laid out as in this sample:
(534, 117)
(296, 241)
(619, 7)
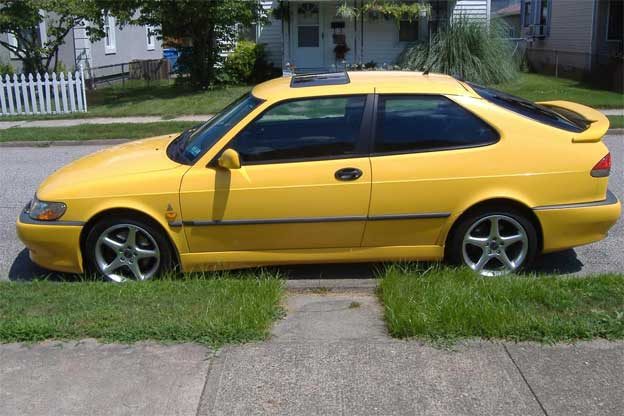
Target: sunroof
(314, 80)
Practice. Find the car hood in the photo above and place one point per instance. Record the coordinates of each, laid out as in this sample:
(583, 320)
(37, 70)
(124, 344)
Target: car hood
(122, 161)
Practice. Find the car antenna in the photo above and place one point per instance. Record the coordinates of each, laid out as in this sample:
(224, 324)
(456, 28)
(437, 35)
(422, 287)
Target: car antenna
(428, 69)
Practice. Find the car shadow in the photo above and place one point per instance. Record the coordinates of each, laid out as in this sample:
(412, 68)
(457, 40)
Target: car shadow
(24, 270)
(564, 262)
(561, 262)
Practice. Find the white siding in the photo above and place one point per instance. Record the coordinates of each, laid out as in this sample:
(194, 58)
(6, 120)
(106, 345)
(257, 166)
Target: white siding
(271, 35)
(381, 41)
(474, 9)
(571, 26)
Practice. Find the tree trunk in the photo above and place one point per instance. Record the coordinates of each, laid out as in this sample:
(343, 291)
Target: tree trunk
(203, 56)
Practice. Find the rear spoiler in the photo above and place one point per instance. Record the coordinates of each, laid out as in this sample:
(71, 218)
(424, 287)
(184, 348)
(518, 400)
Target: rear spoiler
(598, 122)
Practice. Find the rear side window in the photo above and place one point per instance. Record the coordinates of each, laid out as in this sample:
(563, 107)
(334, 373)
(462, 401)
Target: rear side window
(566, 120)
(426, 123)
(314, 128)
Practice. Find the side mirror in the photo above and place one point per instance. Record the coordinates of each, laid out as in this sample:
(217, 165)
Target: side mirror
(229, 159)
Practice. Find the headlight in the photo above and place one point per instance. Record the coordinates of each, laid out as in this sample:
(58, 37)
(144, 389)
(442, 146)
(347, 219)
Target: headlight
(46, 211)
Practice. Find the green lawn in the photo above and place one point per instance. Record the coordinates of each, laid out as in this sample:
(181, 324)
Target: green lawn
(159, 99)
(617, 122)
(544, 88)
(445, 305)
(94, 131)
(194, 309)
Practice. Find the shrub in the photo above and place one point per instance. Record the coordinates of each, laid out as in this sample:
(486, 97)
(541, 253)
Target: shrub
(466, 49)
(6, 69)
(247, 64)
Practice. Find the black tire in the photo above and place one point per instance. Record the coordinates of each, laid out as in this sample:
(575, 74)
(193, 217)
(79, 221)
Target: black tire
(454, 249)
(166, 260)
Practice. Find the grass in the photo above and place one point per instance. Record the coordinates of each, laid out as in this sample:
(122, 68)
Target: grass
(445, 305)
(194, 309)
(617, 122)
(94, 131)
(537, 87)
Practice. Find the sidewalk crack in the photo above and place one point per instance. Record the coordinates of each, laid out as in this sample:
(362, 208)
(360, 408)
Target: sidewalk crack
(525, 380)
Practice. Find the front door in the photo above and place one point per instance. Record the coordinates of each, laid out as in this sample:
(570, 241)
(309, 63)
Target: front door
(304, 183)
(308, 44)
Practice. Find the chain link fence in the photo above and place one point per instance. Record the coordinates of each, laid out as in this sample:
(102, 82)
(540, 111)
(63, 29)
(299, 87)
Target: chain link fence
(139, 71)
(601, 71)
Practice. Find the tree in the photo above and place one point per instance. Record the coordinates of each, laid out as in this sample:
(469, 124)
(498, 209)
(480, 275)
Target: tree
(203, 29)
(22, 19)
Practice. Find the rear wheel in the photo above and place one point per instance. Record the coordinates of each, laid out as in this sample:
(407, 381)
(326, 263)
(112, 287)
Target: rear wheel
(494, 242)
(122, 249)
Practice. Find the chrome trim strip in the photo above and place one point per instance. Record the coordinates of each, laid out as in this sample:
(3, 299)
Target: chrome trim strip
(175, 224)
(429, 215)
(311, 220)
(274, 221)
(610, 200)
(24, 218)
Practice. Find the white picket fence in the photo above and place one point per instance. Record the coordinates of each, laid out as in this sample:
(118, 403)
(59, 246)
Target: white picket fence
(47, 94)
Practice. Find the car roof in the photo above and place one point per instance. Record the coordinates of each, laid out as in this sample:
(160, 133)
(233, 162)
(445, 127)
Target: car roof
(366, 82)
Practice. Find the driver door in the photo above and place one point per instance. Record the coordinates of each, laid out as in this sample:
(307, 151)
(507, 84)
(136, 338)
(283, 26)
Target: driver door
(304, 183)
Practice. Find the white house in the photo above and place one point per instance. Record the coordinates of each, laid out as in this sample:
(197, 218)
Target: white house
(305, 35)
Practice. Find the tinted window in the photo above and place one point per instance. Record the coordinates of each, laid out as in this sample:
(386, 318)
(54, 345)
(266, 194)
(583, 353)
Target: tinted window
(563, 120)
(303, 129)
(193, 143)
(418, 123)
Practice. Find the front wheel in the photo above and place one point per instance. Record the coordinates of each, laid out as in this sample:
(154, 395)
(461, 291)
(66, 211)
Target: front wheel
(494, 242)
(122, 249)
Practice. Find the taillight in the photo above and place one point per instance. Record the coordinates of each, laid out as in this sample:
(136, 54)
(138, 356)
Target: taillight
(602, 168)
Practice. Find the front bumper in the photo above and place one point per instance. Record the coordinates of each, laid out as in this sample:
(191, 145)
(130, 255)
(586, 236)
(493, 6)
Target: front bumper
(53, 245)
(572, 225)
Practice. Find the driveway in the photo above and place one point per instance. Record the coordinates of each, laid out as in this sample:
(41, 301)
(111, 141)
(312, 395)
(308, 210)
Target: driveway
(23, 168)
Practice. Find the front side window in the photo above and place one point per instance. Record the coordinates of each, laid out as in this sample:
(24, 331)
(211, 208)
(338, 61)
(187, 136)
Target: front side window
(312, 128)
(427, 123)
(193, 143)
(540, 113)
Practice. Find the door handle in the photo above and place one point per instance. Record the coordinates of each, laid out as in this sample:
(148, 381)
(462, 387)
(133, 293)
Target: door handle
(348, 174)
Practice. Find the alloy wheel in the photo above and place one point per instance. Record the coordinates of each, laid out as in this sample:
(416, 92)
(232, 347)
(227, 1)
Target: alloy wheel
(495, 245)
(127, 252)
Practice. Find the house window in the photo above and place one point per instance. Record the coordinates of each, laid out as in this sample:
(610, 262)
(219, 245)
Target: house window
(308, 25)
(536, 17)
(408, 31)
(12, 40)
(526, 13)
(248, 33)
(110, 45)
(544, 18)
(151, 38)
(615, 16)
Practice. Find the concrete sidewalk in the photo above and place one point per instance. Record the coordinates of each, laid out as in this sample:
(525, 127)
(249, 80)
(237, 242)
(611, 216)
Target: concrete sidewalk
(331, 355)
(69, 122)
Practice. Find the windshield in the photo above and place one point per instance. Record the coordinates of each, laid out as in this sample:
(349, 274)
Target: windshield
(543, 114)
(194, 142)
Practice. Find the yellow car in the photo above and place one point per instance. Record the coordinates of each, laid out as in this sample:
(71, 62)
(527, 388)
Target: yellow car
(338, 167)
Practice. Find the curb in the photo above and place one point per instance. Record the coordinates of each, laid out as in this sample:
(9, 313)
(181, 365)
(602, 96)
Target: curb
(49, 143)
(104, 142)
(331, 285)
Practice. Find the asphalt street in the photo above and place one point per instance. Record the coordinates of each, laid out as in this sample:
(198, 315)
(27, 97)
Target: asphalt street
(23, 168)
